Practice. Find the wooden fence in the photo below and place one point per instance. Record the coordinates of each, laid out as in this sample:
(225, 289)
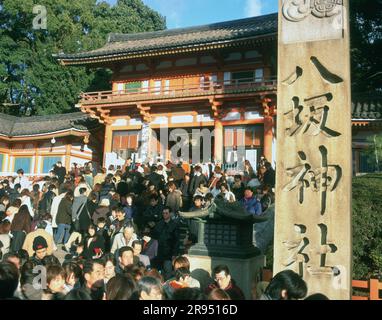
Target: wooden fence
(370, 287)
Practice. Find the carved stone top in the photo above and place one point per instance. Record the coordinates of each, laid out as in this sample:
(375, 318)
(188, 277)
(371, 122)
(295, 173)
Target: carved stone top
(298, 10)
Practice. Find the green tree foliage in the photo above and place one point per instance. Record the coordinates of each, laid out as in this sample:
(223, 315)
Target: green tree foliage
(366, 45)
(367, 227)
(30, 78)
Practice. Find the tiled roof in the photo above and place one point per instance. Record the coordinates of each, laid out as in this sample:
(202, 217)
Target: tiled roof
(367, 107)
(224, 32)
(12, 126)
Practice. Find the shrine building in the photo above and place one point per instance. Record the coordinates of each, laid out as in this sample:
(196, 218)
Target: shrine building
(221, 77)
(36, 143)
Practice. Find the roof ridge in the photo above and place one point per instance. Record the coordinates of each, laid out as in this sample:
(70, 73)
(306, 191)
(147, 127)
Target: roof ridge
(20, 126)
(61, 116)
(116, 37)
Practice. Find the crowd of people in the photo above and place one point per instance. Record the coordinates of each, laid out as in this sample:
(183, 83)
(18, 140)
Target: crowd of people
(116, 233)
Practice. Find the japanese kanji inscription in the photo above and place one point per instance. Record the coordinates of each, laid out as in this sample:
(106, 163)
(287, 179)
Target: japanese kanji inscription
(313, 170)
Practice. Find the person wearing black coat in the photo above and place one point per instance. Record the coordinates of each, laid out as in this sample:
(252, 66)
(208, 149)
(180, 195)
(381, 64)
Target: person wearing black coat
(167, 233)
(60, 172)
(64, 218)
(14, 193)
(153, 212)
(106, 187)
(46, 202)
(123, 188)
(196, 180)
(269, 175)
(184, 188)
(156, 179)
(94, 244)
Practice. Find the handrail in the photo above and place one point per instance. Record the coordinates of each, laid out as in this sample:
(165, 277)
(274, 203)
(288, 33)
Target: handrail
(207, 86)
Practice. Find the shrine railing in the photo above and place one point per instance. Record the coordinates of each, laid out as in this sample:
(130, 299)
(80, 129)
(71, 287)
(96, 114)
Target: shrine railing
(173, 91)
(370, 287)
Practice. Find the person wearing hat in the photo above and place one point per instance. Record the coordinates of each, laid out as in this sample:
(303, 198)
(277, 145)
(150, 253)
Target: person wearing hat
(39, 232)
(40, 247)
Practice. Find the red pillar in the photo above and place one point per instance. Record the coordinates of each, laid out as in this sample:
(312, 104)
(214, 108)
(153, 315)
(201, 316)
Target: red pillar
(269, 112)
(218, 154)
(268, 138)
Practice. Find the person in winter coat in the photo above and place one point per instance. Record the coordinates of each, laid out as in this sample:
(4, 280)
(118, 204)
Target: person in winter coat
(196, 179)
(80, 213)
(100, 177)
(106, 187)
(4, 204)
(167, 234)
(224, 281)
(184, 188)
(153, 213)
(250, 203)
(129, 207)
(94, 244)
(178, 174)
(64, 218)
(150, 245)
(269, 175)
(47, 200)
(5, 238)
(156, 179)
(20, 227)
(39, 232)
(174, 198)
(102, 211)
(27, 200)
(82, 184)
(60, 171)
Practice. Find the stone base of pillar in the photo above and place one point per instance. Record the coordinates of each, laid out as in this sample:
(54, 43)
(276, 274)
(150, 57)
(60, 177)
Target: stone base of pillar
(244, 271)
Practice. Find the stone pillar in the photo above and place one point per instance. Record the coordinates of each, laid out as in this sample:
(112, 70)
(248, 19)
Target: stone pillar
(314, 166)
(219, 147)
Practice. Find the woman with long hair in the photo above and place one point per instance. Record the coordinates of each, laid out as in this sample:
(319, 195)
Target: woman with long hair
(26, 199)
(94, 245)
(5, 238)
(4, 204)
(249, 173)
(20, 227)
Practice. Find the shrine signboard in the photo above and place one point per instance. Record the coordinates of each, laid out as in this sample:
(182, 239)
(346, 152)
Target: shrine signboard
(313, 182)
